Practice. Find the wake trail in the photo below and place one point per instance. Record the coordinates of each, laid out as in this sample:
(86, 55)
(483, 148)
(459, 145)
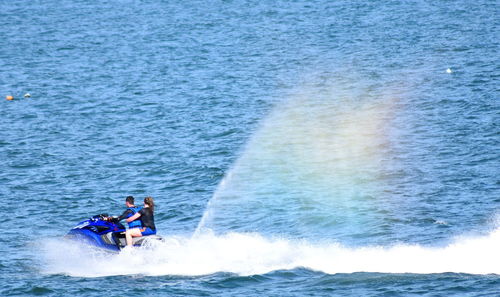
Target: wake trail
(250, 253)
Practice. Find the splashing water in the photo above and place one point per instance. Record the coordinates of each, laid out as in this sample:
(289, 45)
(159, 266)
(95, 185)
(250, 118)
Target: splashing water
(250, 254)
(310, 179)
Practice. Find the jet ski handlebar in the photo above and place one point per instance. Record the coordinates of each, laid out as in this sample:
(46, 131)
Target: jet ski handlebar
(102, 217)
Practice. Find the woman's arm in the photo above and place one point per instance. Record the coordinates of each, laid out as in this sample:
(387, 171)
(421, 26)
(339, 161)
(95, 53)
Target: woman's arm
(134, 217)
(125, 214)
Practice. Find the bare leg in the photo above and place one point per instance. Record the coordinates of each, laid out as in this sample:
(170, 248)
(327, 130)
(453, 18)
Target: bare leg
(134, 232)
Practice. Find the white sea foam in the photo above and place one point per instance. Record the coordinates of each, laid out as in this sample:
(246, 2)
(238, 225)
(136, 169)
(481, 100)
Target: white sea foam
(249, 254)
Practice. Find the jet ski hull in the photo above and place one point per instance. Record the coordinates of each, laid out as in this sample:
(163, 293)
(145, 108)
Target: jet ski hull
(104, 234)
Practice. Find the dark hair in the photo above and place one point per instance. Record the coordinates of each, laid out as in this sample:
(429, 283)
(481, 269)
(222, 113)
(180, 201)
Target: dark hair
(149, 201)
(130, 199)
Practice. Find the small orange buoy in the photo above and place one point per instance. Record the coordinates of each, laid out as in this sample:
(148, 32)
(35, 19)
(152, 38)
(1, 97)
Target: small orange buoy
(9, 97)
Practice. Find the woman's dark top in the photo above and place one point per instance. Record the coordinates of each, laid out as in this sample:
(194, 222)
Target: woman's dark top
(147, 218)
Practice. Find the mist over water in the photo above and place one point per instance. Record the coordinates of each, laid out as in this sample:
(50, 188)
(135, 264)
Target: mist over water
(317, 167)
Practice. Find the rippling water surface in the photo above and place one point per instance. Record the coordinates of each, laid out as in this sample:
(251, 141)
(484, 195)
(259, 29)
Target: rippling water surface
(296, 148)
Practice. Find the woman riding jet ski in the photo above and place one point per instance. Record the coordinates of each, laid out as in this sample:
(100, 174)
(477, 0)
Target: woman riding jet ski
(108, 233)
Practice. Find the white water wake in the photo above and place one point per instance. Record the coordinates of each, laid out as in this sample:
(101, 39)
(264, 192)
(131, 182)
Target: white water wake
(250, 254)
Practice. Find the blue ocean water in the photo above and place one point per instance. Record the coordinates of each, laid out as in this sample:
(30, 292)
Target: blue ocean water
(296, 148)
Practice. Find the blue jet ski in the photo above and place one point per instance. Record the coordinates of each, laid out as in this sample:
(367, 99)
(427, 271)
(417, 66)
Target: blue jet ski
(104, 232)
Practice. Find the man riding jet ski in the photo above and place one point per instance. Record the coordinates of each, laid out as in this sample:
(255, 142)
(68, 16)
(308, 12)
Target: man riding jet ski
(129, 212)
(108, 233)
